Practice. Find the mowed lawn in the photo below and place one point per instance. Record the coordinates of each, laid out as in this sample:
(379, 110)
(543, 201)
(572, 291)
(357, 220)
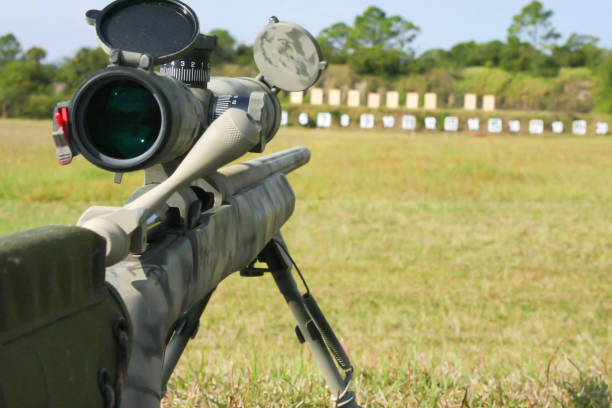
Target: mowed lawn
(458, 270)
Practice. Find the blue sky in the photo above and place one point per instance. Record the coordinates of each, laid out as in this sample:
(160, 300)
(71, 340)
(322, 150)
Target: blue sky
(59, 26)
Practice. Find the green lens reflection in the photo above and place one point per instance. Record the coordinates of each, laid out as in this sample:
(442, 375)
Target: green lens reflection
(122, 119)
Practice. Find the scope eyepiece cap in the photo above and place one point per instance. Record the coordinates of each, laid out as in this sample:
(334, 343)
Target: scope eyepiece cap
(288, 56)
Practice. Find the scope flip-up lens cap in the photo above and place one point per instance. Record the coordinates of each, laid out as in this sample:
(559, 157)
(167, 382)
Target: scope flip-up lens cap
(163, 29)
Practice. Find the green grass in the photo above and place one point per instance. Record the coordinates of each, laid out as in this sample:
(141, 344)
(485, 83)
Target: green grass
(458, 271)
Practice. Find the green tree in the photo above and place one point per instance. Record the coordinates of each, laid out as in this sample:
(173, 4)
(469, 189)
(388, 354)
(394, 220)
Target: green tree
(376, 60)
(375, 44)
(380, 44)
(578, 51)
(226, 47)
(515, 55)
(244, 56)
(333, 42)
(374, 28)
(577, 42)
(19, 80)
(466, 54)
(84, 63)
(35, 54)
(542, 64)
(9, 49)
(472, 54)
(491, 53)
(533, 23)
(431, 59)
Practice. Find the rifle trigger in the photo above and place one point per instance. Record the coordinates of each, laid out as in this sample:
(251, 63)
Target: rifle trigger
(252, 272)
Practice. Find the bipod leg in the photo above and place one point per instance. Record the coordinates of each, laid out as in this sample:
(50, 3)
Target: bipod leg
(312, 327)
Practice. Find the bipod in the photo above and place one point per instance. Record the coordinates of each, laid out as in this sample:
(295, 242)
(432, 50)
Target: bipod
(312, 327)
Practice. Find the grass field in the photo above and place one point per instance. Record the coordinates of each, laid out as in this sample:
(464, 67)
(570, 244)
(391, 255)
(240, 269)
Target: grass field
(458, 270)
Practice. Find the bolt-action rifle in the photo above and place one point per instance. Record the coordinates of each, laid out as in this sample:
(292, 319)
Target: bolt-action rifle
(140, 276)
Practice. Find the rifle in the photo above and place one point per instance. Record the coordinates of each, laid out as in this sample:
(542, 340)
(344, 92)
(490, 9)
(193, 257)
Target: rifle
(146, 271)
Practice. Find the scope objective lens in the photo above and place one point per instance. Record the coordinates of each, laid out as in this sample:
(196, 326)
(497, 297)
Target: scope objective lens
(122, 119)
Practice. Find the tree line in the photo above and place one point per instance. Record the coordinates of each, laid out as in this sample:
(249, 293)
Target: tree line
(375, 44)
(30, 88)
(380, 44)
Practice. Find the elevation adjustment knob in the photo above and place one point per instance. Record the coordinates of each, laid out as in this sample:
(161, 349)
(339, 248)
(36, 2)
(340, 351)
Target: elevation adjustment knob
(192, 69)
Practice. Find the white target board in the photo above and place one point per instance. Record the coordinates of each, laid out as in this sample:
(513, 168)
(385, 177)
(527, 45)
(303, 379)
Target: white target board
(451, 124)
(324, 120)
(284, 118)
(409, 122)
(303, 119)
(296, 97)
(601, 128)
(430, 123)
(345, 120)
(557, 127)
(514, 126)
(579, 127)
(495, 125)
(388, 122)
(473, 124)
(536, 126)
(366, 121)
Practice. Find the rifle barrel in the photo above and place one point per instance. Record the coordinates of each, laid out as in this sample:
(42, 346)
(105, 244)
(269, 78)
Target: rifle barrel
(233, 179)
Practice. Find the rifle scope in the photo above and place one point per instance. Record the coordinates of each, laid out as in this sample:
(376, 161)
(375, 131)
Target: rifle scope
(127, 119)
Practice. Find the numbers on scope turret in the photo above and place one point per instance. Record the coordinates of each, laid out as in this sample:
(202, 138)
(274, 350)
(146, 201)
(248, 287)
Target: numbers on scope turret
(192, 70)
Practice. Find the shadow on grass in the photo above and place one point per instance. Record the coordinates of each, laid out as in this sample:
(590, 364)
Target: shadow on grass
(587, 391)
